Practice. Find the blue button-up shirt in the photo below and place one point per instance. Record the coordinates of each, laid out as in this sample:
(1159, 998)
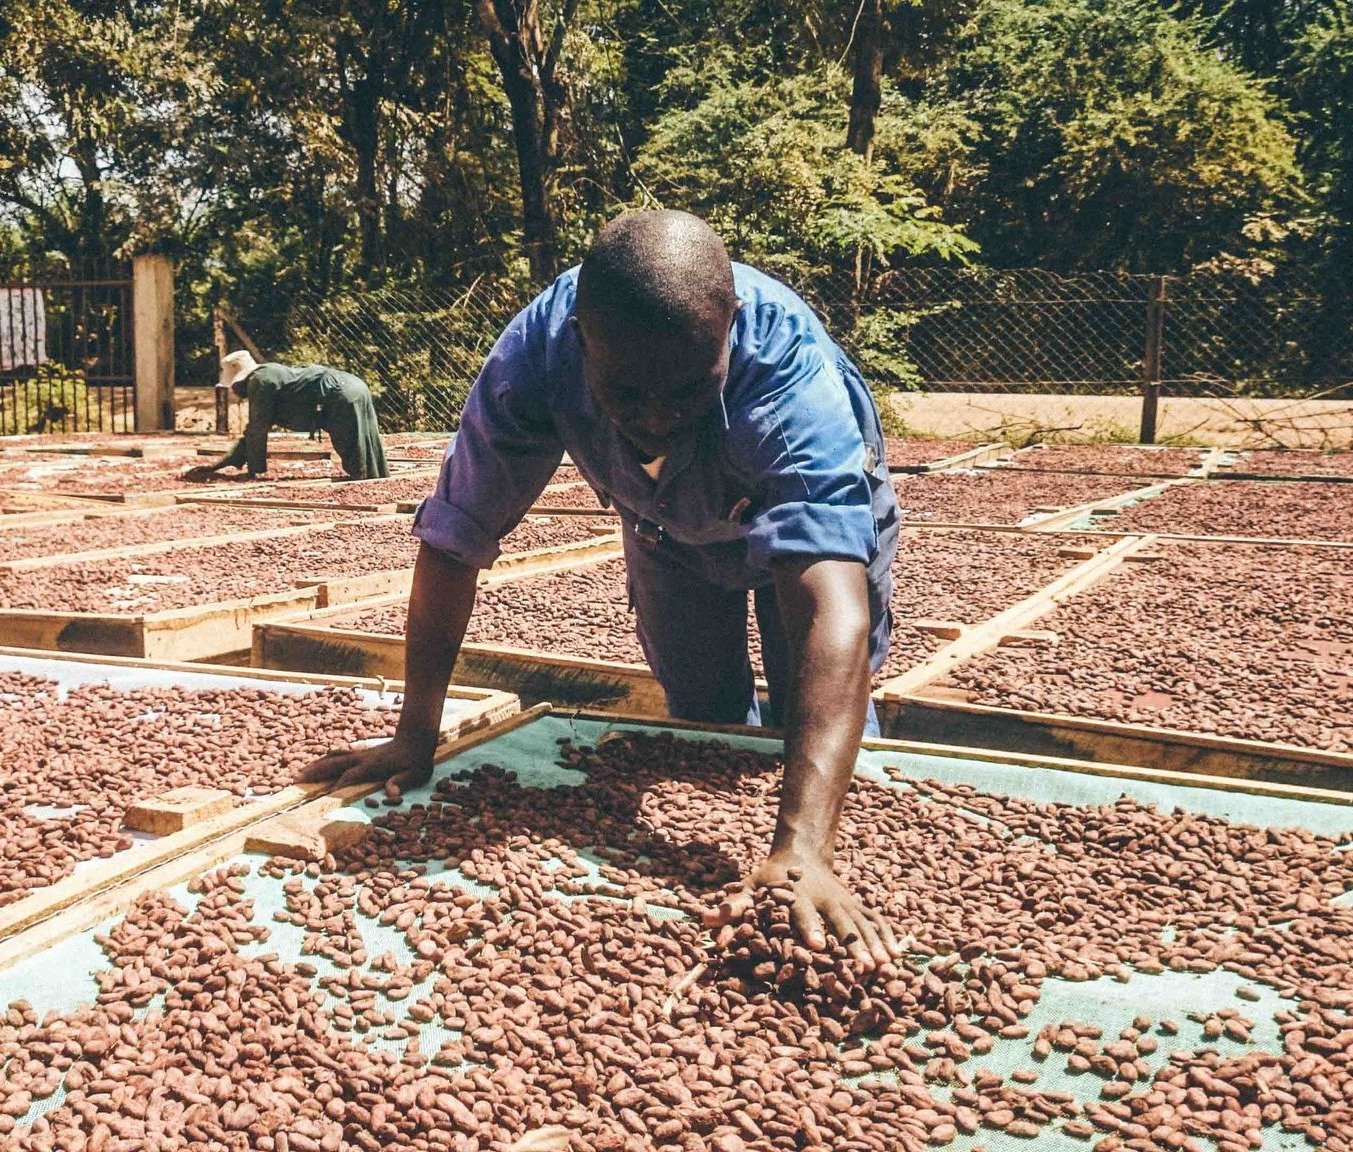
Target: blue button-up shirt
(791, 466)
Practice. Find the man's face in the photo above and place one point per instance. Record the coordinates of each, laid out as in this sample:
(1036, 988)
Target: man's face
(656, 390)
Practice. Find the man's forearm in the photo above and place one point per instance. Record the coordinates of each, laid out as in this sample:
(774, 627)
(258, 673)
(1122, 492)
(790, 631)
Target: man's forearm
(440, 604)
(824, 607)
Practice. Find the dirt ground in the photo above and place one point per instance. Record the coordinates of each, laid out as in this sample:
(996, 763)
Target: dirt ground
(1216, 423)
(1023, 418)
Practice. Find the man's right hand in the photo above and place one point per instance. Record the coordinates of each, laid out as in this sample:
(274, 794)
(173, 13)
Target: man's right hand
(403, 762)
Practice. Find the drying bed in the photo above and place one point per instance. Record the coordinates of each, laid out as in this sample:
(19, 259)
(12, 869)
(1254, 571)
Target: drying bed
(407, 447)
(77, 758)
(578, 612)
(1292, 462)
(1108, 459)
(84, 477)
(1251, 642)
(349, 493)
(1296, 510)
(962, 577)
(155, 526)
(999, 496)
(903, 453)
(515, 948)
(581, 496)
(212, 574)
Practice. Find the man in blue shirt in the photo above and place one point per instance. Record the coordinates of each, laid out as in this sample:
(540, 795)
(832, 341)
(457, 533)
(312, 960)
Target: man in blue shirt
(742, 451)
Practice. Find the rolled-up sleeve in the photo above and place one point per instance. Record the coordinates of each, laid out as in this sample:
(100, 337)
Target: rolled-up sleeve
(504, 453)
(799, 441)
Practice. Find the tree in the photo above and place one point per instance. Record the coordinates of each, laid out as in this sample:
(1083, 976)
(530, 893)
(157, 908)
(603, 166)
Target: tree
(93, 101)
(1106, 134)
(866, 94)
(766, 164)
(533, 79)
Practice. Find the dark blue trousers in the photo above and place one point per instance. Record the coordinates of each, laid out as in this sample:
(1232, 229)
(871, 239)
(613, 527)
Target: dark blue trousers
(694, 636)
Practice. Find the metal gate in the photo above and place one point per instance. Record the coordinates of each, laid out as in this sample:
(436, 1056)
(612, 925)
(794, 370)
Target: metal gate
(66, 357)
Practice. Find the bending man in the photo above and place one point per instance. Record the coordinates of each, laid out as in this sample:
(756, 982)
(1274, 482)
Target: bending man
(743, 451)
(301, 400)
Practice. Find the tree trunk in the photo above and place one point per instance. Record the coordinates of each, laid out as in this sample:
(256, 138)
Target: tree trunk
(538, 99)
(867, 93)
(365, 138)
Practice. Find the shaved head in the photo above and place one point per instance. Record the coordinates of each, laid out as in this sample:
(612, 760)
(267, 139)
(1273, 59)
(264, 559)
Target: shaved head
(666, 272)
(654, 310)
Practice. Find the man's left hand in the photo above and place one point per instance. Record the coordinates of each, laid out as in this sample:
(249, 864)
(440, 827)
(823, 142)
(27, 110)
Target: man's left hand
(821, 902)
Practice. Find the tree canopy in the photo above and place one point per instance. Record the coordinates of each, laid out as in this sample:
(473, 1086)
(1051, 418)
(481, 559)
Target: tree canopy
(287, 148)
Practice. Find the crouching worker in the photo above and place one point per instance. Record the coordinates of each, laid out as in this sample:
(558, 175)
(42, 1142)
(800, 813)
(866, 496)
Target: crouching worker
(301, 400)
(743, 453)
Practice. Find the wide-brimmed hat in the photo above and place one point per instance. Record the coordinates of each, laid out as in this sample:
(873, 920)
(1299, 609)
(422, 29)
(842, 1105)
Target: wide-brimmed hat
(236, 366)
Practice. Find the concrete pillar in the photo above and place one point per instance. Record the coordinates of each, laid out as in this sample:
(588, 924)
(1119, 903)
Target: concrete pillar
(153, 327)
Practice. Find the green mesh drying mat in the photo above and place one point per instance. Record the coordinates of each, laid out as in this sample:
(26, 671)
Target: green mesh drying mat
(62, 977)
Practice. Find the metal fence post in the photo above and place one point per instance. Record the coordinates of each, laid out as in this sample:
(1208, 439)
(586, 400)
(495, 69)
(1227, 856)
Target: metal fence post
(1152, 359)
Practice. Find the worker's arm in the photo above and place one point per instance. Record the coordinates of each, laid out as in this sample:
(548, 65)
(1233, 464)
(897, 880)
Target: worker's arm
(439, 609)
(262, 405)
(825, 610)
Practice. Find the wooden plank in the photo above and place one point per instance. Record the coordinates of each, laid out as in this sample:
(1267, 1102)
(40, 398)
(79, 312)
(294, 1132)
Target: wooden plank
(156, 548)
(86, 632)
(331, 591)
(73, 513)
(534, 676)
(179, 634)
(177, 809)
(304, 835)
(209, 630)
(174, 863)
(1264, 541)
(929, 715)
(1078, 512)
(972, 458)
(275, 452)
(985, 636)
(1211, 463)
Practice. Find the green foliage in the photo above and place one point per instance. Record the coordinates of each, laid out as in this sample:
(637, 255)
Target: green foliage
(1320, 77)
(53, 399)
(289, 152)
(764, 162)
(1107, 134)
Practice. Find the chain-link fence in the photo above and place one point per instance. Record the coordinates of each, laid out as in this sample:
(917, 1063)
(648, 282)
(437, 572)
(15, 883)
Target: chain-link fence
(1208, 333)
(419, 348)
(1222, 335)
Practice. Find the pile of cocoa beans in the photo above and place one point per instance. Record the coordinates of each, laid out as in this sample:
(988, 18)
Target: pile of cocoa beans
(1109, 459)
(153, 526)
(82, 757)
(998, 496)
(191, 576)
(1252, 642)
(560, 979)
(1272, 509)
